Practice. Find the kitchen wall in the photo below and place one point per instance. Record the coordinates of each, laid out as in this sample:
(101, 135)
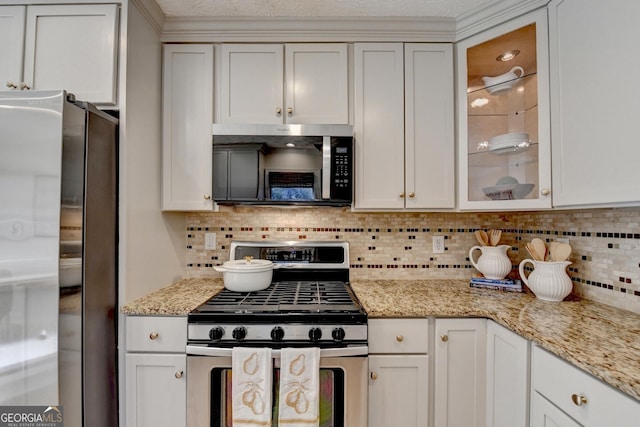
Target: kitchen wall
(606, 242)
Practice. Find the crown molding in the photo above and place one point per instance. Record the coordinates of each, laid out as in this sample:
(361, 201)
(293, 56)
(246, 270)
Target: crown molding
(152, 13)
(491, 14)
(308, 29)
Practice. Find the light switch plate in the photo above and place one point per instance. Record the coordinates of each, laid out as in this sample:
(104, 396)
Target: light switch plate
(210, 241)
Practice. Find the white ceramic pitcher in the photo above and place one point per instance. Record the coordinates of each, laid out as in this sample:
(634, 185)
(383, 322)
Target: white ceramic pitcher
(493, 261)
(548, 280)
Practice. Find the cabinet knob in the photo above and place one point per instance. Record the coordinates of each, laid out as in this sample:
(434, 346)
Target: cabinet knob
(578, 400)
(374, 376)
(399, 338)
(153, 335)
(412, 195)
(179, 374)
(207, 196)
(289, 110)
(444, 338)
(11, 85)
(402, 195)
(278, 110)
(545, 191)
(24, 86)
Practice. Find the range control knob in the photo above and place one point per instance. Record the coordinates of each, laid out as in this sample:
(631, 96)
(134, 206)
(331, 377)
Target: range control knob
(216, 333)
(239, 333)
(277, 333)
(315, 334)
(338, 334)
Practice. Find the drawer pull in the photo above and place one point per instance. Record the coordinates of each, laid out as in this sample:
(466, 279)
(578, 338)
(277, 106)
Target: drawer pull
(374, 376)
(399, 338)
(578, 400)
(444, 338)
(153, 335)
(179, 374)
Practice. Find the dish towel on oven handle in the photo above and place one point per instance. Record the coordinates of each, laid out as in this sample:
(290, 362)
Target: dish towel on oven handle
(251, 386)
(299, 387)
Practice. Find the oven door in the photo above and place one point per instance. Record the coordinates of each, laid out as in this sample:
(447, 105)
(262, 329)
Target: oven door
(343, 398)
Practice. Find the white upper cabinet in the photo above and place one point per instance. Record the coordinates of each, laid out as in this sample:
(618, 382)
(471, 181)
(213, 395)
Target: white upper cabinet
(292, 83)
(12, 46)
(504, 155)
(404, 126)
(594, 102)
(187, 153)
(73, 47)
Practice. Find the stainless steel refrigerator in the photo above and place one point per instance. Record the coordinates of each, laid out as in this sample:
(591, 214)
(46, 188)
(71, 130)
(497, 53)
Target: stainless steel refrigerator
(58, 256)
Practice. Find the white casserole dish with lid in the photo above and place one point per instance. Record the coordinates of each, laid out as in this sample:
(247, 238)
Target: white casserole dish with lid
(247, 275)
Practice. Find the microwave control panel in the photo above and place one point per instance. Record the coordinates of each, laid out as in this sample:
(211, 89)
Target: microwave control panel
(342, 167)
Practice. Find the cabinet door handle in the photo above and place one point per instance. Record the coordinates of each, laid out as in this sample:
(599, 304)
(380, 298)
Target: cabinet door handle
(207, 196)
(153, 335)
(289, 110)
(545, 192)
(412, 195)
(374, 376)
(278, 110)
(399, 338)
(24, 86)
(11, 85)
(444, 338)
(402, 195)
(578, 400)
(179, 374)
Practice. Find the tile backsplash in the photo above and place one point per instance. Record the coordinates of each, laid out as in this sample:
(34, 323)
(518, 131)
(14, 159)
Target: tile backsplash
(605, 260)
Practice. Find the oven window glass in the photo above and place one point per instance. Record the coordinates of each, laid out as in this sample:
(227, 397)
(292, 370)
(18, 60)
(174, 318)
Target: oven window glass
(331, 397)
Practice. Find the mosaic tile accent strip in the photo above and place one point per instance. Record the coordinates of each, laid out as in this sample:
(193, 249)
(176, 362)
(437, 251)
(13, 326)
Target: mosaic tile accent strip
(605, 260)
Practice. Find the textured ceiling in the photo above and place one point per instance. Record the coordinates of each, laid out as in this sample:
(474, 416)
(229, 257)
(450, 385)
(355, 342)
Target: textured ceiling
(310, 8)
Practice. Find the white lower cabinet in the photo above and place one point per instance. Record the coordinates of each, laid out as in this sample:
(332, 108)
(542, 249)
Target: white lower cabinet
(546, 414)
(398, 372)
(460, 372)
(507, 378)
(577, 395)
(156, 385)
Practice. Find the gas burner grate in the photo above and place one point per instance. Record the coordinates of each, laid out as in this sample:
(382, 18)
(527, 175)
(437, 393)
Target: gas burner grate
(323, 296)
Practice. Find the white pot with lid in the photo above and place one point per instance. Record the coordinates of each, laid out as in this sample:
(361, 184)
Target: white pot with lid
(247, 275)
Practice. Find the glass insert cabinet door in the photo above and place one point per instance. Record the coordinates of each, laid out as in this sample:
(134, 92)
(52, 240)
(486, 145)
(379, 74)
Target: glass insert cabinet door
(504, 152)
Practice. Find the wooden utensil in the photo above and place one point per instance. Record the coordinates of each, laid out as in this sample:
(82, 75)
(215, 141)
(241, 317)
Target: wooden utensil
(553, 247)
(532, 252)
(562, 252)
(540, 247)
(494, 237)
(482, 237)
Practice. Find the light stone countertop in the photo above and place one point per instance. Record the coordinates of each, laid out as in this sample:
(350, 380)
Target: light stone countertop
(601, 340)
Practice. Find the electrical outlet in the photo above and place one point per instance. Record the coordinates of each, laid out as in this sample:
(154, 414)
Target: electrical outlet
(438, 244)
(210, 241)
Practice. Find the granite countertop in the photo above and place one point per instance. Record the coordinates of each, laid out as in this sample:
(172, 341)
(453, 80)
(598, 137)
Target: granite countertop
(599, 339)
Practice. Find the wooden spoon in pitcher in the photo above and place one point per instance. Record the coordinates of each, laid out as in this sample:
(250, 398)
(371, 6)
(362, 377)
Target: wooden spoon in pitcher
(540, 247)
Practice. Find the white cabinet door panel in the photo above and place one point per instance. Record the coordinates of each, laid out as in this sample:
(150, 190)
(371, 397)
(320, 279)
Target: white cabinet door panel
(429, 149)
(12, 21)
(73, 47)
(187, 118)
(317, 83)
(252, 84)
(379, 125)
(398, 390)
(546, 414)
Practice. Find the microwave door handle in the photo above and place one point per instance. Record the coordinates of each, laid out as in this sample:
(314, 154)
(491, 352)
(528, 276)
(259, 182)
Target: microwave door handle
(326, 167)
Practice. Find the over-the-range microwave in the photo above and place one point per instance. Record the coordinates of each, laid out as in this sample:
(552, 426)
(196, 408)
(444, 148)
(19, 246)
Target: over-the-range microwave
(283, 164)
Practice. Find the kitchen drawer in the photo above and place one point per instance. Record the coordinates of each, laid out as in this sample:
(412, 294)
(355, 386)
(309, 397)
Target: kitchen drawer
(559, 381)
(156, 334)
(398, 336)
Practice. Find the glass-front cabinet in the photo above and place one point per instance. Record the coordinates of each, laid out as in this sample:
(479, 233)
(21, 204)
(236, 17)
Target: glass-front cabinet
(503, 98)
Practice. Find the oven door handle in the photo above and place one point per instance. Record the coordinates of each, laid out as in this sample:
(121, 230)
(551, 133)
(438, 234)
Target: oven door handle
(197, 350)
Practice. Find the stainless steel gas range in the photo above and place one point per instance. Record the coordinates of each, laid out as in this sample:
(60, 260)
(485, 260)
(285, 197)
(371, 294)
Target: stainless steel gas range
(308, 304)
